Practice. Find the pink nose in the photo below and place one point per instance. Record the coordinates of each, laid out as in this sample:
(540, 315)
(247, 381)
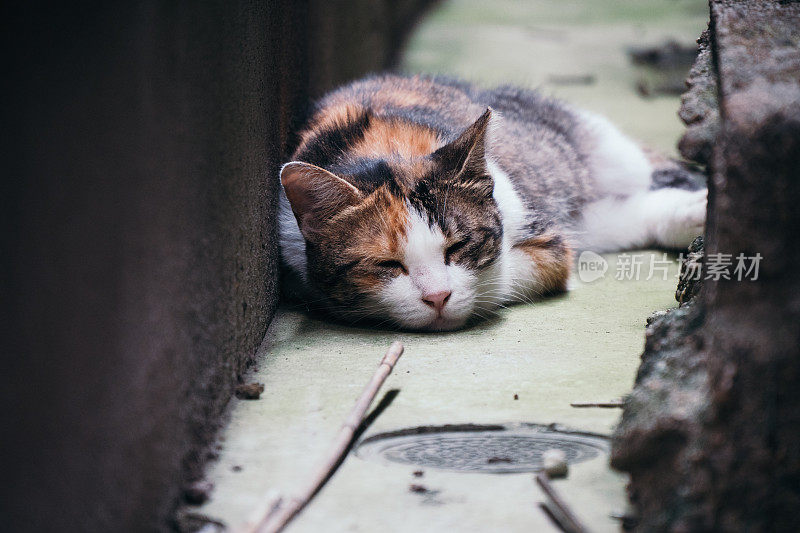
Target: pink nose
(436, 299)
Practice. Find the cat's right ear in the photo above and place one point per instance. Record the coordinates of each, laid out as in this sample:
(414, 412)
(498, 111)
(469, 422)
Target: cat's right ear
(315, 195)
(466, 154)
(464, 159)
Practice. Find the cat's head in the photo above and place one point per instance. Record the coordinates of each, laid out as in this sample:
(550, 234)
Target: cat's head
(406, 241)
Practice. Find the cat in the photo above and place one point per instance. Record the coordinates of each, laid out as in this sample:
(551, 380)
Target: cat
(424, 203)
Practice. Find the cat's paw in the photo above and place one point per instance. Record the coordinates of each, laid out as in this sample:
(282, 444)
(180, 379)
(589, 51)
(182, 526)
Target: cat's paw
(685, 221)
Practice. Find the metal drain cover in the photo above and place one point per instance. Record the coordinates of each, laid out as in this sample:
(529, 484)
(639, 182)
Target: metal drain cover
(490, 449)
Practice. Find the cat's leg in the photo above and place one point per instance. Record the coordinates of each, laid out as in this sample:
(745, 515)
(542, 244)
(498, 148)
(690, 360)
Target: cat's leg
(539, 266)
(551, 257)
(665, 218)
(528, 267)
(525, 271)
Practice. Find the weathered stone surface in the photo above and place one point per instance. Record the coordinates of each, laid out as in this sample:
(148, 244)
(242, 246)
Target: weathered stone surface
(659, 440)
(699, 109)
(690, 279)
(753, 327)
(710, 435)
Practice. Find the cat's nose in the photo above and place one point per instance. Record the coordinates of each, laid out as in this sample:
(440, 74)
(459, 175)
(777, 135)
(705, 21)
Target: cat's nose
(436, 299)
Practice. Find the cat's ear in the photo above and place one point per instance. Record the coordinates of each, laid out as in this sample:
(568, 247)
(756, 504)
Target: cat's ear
(315, 195)
(465, 157)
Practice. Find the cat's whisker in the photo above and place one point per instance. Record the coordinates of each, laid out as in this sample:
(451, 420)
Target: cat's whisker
(479, 315)
(496, 304)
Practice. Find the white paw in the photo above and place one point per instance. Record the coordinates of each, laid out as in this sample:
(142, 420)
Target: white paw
(688, 220)
(685, 221)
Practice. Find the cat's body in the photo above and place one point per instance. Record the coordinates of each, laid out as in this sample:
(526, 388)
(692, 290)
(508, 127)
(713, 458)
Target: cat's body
(424, 202)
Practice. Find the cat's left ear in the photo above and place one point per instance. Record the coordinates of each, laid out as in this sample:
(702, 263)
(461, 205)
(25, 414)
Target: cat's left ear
(315, 195)
(465, 157)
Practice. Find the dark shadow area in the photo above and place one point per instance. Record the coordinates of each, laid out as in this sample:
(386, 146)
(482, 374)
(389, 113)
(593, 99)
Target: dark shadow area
(141, 145)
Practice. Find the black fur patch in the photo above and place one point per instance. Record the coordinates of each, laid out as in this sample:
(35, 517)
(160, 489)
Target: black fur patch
(366, 174)
(676, 178)
(328, 146)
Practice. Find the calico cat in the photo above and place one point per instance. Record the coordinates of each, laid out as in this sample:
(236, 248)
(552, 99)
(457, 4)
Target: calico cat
(423, 203)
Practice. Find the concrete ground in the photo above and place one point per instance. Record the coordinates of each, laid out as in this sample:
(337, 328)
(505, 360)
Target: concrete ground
(540, 43)
(581, 346)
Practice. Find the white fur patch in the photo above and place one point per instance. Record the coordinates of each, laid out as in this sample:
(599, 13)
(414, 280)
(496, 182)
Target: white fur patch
(668, 218)
(513, 277)
(292, 243)
(423, 257)
(512, 210)
(617, 164)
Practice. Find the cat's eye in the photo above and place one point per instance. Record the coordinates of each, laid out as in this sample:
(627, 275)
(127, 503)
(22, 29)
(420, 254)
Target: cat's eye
(391, 264)
(452, 249)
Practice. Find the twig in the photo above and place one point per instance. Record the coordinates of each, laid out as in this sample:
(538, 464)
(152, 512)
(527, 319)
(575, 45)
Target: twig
(553, 516)
(609, 404)
(275, 521)
(558, 508)
(271, 503)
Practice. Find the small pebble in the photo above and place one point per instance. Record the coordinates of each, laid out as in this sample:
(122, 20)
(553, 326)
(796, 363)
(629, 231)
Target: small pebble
(555, 463)
(249, 391)
(516, 396)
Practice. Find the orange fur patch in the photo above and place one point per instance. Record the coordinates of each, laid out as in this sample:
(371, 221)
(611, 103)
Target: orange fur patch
(386, 138)
(390, 218)
(381, 231)
(333, 116)
(409, 172)
(553, 259)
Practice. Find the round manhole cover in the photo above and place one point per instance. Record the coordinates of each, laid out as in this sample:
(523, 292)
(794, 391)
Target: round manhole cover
(491, 449)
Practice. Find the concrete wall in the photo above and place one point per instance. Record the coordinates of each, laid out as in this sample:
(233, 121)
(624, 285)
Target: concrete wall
(141, 144)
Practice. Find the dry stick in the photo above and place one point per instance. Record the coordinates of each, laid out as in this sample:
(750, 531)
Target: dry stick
(552, 515)
(612, 403)
(271, 503)
(566, 517)
(277, 520)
